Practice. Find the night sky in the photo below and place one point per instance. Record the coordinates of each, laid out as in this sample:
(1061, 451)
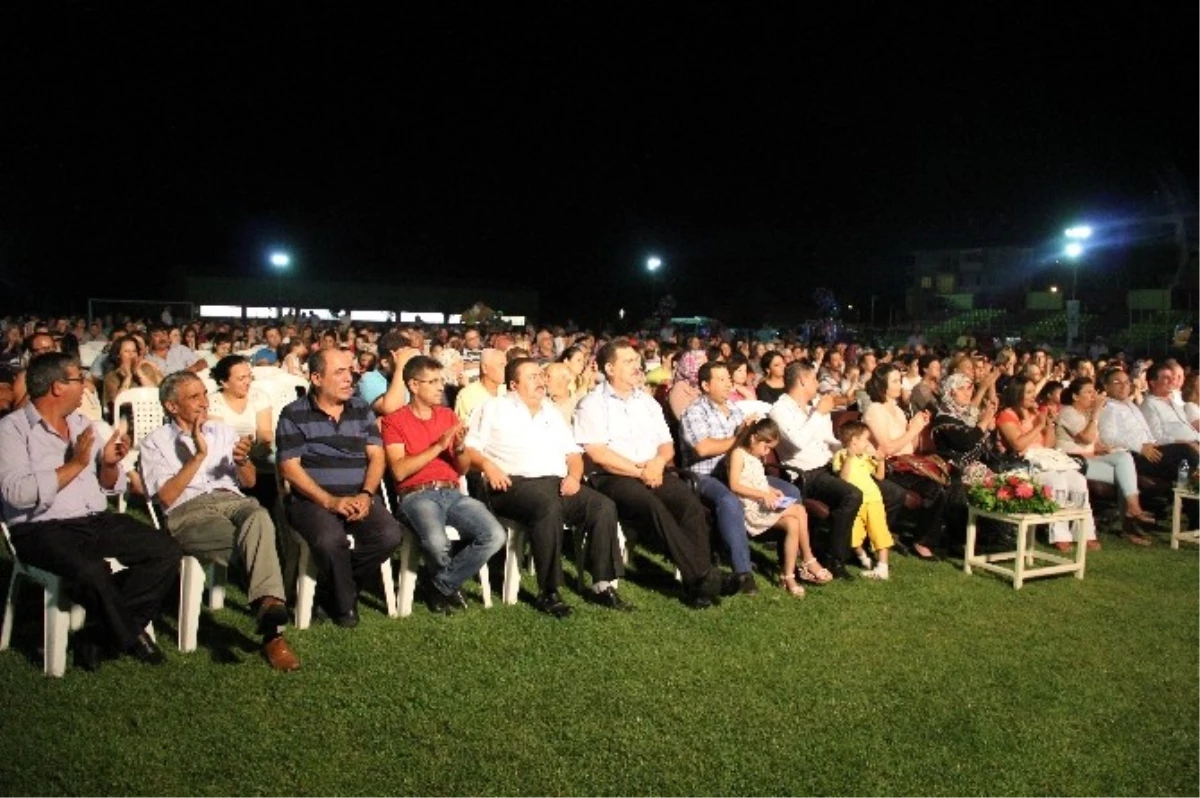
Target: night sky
(555, 146)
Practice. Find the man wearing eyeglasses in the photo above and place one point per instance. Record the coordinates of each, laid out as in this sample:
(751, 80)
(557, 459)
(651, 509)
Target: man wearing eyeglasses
(426, 455)
(1123, 426)
(55, 480)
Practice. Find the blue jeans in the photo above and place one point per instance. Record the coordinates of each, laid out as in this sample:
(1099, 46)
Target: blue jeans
(731, 516)
(430, 511)
(1114, 468)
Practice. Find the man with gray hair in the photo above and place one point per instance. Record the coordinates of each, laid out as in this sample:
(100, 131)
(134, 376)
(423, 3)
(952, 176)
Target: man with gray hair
(195, 468)
(55, 480)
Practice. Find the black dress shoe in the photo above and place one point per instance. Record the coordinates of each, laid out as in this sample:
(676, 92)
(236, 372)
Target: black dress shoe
(711, 584)
(838, 569)
(146, 651)
(609, 598)
(272, 614)
(439, 603)
(552, 604)
(457, 601)
(88, 653)
(348, 620)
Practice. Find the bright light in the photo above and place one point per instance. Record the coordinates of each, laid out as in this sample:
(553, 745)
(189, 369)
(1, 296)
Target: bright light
(849, 307)
(280, 260)
(1082, 231)
(1073, 250)
(221, 311)
(621, 313)
(1054, 289)
(653, 263)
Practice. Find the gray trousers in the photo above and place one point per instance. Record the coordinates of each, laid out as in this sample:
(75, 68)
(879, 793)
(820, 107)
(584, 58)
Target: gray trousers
(221, 526)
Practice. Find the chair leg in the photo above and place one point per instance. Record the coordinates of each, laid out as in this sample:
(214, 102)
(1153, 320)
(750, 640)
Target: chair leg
(408, 576)
(56, 627)
(216, 575)
(191, 594)
(579, 543)
(306, 587)
(389, 588)
(9, 605)
(512, 566)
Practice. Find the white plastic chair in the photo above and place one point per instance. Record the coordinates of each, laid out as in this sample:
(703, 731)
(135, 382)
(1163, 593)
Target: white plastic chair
(408, 566)
(518, 534)
(265, 373)
(147, 412)
(306, 570)
(282, 390)
(193, 577)
(60, 615)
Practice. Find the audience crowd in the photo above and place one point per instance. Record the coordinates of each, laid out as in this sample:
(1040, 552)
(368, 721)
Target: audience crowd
(458, 435)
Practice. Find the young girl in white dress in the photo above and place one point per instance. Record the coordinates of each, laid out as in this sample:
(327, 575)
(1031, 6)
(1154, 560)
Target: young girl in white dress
(764, 510)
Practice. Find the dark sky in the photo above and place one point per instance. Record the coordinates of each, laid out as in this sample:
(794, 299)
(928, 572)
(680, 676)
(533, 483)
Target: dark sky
(556, 145)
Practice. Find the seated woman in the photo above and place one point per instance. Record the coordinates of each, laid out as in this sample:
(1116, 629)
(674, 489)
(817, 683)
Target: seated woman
(685, 386)
(894, 437)
(739, 371)
(583, 377)
(1022, 431)
(771, 386)
(1077, 434)
(241, 404)
(222, 346)
(1050, 397)
(293, 357)
(962, 433)
(128, 370)
(1191, 399)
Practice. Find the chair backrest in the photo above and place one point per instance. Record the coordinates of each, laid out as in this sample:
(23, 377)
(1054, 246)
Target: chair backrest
(266, 372)
(840, 417)
(146, 412)
(282, 390)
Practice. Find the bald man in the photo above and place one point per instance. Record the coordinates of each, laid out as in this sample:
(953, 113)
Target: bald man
(491, 383)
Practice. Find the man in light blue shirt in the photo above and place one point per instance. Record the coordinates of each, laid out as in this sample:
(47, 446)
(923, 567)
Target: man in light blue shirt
(195, 469)
(55, 477)
(171, 357)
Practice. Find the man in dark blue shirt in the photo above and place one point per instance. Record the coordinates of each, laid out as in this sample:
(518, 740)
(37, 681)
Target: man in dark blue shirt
(330, 451)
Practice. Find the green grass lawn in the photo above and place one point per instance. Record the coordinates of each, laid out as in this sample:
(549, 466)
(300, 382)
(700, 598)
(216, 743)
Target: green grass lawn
(933, 683)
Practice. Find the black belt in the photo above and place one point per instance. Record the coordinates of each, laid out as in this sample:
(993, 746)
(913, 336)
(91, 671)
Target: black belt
(437, 484)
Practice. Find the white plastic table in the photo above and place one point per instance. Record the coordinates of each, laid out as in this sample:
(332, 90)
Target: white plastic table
(1027, 552)
(1191, 535)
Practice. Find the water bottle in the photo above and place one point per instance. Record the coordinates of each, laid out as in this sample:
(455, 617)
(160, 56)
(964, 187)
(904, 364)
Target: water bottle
(1181, 477)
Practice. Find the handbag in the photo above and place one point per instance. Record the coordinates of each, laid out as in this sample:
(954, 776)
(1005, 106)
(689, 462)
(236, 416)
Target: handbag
(930, 466)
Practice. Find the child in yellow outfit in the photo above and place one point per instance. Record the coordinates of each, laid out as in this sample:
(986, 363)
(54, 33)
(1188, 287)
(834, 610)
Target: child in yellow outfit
(856, 463)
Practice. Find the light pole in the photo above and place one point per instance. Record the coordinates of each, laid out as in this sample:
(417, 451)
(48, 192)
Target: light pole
(1074, 250)
(653, 264)
(279, 261)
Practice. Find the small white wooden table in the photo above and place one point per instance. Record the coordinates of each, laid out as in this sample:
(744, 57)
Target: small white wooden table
(1027, 552)
(1191, 535)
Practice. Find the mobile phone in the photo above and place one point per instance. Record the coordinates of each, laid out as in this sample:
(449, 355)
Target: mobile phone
(786, 501)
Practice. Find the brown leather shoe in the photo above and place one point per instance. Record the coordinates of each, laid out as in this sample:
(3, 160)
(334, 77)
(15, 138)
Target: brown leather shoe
(280, 655)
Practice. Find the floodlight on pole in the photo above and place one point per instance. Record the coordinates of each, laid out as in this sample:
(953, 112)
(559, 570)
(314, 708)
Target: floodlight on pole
(653, 264)
(1080, 231)
(279, 261)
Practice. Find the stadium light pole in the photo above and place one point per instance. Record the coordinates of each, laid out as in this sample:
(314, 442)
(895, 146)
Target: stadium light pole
(653, 264)
(279, 262)
(1074, 249)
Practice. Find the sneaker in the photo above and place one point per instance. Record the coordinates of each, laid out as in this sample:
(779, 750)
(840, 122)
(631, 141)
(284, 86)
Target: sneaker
(864, 560)
(876, 574)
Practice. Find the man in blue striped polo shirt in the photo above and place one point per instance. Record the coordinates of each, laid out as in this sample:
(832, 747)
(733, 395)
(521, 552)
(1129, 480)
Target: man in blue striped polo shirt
(330, 451)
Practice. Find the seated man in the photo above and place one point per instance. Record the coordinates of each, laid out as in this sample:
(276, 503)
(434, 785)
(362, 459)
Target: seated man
(55, 478)
(1123, 426)
(383, 388)
(709, 427)
(330, 451)
(196, 468)
(269, 355)
(623, 431)
(1164, 415)
(169, 357)
(534, 468)
(426, 456)
(489, 384)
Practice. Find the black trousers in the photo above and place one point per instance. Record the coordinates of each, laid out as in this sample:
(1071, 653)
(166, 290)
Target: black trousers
(76, 549)
(536, 504)
(931, 529)
(844, 501)
(341, 568)
(1168, 466)
(672, 511)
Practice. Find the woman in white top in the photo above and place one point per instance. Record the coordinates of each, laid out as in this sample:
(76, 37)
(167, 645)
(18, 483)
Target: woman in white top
(1077, 433)
(895, 435)
(1191, 399)
(238, 402)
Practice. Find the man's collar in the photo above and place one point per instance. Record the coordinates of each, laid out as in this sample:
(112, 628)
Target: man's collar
(609, 391)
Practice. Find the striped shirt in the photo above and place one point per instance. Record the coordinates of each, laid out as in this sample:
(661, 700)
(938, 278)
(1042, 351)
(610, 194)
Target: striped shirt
(333, 452)
(703, 420)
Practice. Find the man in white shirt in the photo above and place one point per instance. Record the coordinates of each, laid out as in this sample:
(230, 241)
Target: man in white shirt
(1163, 415)
(534, 470)
(623, 431)
(807, 444)
(195, 468)
(1123, 425)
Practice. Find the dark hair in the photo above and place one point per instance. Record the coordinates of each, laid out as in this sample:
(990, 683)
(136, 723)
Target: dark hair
(221, 338)
(419, 364)
(1048, 390)
(569, 353)
(1071, 391)
(851, 430)
(114, 349)
(1112, 372)
(791, 374)
(704, 373)
(765, 429)
(877, 385)
(736, 361)
(608, 352)
(392, 341)
(220, 372)
(1014, 393)
(923, 363)
(1152, 373)
(765, 361)
(513, 367)
(46, 369)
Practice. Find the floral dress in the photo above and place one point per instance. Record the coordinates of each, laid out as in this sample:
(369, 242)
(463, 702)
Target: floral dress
(759, 517)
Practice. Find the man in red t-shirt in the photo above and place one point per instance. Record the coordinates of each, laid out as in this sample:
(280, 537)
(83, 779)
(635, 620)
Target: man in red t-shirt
(424, 445)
